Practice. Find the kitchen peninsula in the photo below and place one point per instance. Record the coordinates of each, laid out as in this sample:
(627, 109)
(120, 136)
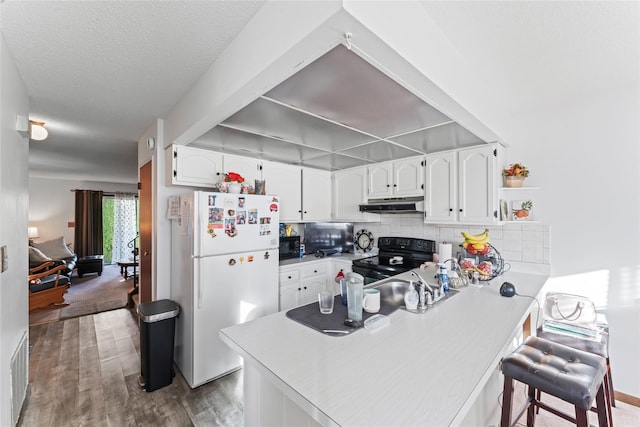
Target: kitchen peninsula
(428, 369)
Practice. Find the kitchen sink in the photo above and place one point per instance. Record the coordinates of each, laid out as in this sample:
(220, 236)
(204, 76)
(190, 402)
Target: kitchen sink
(392, 292)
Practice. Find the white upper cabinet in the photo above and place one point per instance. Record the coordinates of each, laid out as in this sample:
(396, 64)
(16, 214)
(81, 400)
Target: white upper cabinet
(380, 180)
(316, 195)
(349, 191)
(305, 193)
(284, 181)
(477, 184)
(460, 185)
(398, 178)
(442, 188)
(248, 167)
(193, 166)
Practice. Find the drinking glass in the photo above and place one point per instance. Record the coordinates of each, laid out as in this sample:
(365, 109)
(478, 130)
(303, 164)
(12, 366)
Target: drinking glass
(325, 301)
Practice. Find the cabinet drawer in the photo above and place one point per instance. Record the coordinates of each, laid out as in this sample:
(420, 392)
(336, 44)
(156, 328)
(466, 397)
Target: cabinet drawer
(314, 271)
(291, 276)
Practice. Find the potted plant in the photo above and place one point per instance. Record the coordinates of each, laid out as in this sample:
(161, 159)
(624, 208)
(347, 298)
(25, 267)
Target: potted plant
(234, 182)
(514, 176)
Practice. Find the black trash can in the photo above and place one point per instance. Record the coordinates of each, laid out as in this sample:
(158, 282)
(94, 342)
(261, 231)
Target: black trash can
(157, 331)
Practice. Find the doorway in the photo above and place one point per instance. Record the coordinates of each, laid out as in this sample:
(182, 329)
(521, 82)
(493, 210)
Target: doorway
(120, 227)
(146, 231)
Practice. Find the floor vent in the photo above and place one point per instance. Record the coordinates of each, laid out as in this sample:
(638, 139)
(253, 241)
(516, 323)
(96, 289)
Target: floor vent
(19, 378)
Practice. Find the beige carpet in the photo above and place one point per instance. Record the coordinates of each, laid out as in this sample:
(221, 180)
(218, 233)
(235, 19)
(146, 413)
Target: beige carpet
(89, 295)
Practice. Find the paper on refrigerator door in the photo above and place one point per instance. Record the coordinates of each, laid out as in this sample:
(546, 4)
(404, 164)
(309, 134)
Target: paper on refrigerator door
(237, 222)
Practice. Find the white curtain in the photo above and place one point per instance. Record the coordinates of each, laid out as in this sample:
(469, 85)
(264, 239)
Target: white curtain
(124, 226)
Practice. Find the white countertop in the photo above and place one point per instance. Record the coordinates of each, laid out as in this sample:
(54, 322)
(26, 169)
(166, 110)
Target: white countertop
(421, 369)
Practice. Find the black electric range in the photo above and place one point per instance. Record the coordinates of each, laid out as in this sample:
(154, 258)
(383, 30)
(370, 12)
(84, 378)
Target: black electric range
(395, 255)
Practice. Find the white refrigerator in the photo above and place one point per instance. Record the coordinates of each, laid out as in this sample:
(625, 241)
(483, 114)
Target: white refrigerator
(224, 272)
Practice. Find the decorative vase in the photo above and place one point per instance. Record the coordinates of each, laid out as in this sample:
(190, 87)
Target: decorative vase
(513, 181)
(234, 187)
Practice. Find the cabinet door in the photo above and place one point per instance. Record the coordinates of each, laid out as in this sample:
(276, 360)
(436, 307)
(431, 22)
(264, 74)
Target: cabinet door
(380, 180)
(476, 174)
(441, 184)
(349, 191)
(289, 288)
(316, 195)
(193, 166)
(290, 296)
(248, 167)
(285, 181)
(408, 177)
(310, 289)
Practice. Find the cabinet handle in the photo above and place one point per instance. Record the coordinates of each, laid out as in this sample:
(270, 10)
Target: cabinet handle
(305, 287)
(460, 210)
(388, 186)
(315, 271)
(299, 289)
(305, 212)
(300, 211)
(289, 277)
(450, 209)
(394, 185)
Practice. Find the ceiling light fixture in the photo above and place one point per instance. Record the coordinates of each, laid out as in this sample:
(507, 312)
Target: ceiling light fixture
(37, 131)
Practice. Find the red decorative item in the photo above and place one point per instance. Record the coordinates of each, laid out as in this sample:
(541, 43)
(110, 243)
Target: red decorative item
(339, 276)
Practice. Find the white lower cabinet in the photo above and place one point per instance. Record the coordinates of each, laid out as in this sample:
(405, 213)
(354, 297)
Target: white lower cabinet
(299, 285)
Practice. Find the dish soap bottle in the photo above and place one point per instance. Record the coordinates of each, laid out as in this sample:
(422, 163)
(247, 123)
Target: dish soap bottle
(411, 297)
(444, 277)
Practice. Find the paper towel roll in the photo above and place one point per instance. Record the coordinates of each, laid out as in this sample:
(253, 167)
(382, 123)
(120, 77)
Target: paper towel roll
(444, 251)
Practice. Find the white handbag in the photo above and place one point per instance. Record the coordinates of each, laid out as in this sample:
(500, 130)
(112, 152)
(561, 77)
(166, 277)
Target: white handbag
(568, 308)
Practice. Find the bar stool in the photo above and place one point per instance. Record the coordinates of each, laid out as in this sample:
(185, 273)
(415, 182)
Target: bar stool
(563, 312)
(601, 348)
(572, 375)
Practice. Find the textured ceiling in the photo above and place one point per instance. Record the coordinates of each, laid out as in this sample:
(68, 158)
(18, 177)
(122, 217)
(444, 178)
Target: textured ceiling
(100, 72)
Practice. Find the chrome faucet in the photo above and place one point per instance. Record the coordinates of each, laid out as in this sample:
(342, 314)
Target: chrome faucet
(425, 293)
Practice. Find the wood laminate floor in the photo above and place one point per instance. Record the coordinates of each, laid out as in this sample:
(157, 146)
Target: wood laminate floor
(83, 372)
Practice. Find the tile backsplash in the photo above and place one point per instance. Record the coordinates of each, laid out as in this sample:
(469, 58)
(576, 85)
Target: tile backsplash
(517, 242)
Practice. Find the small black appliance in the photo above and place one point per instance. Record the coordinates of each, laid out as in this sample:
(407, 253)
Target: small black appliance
(289, 247)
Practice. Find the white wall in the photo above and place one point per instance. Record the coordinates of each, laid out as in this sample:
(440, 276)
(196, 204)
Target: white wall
(586, 158)
(14, 203)
(52, 204)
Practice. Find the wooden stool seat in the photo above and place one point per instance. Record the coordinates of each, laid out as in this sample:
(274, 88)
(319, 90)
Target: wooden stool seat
(572, 375)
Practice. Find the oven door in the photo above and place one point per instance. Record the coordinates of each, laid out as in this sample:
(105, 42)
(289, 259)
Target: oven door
(370, 275)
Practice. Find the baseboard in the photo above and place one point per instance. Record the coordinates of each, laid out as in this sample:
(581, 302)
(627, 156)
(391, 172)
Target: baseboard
(628, 399)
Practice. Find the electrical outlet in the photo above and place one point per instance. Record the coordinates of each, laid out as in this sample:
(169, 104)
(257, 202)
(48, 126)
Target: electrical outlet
(5, 258)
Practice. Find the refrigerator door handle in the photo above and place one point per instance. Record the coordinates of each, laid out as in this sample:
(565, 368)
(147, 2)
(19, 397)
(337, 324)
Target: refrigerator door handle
(199, 284)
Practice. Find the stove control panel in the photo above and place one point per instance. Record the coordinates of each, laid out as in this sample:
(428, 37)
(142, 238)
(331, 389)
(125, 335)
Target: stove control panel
(408, 244)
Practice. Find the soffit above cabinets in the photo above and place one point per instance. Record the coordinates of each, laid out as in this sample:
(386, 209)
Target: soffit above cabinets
(336, 113)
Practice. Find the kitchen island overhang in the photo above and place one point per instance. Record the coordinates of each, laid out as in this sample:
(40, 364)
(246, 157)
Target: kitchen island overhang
(421, 369)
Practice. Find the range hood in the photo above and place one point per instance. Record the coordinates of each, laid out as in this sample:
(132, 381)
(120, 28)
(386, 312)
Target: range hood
(337, 112)
(395, 206)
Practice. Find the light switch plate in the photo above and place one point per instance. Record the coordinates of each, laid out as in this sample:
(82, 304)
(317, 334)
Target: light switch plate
(5, 258)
